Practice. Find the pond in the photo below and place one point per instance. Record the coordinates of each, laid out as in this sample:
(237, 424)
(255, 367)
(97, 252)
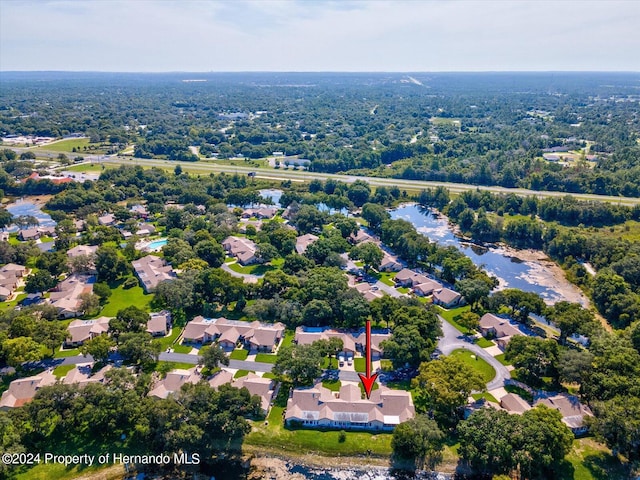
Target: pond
(513, 268)
(23, 207)
(272, 193)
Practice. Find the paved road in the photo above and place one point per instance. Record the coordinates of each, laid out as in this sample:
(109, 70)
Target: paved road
(452, 340)
(164, 356)
(304, 176)
(246, 277)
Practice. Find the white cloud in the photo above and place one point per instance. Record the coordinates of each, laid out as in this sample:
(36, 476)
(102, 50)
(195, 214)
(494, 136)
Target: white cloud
(163, 35)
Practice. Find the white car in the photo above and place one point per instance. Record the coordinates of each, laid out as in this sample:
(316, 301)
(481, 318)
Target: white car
(341, 360)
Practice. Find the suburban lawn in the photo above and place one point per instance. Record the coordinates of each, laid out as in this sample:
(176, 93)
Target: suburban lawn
(385, 277)
(360, 364)
(315, 441)
(478, 364)
(450, 315)
(266, 358)
(593, 461)
(167, 341)
(502, 360)
(288, 338)
(242, 373)
(333, 385)
(62, 370)
(121, 298)
(239, 354)
(67, 352)
(483, 342)
(486, 396)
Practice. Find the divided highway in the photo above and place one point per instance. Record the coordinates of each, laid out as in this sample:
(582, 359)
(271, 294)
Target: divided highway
(305, 176)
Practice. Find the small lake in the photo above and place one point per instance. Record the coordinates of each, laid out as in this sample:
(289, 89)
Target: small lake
(272, 193)
(23, 207)
(512, 272)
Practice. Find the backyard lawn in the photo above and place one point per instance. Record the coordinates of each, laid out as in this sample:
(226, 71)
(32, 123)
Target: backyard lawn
(309, 441)
(450, 315)
(121, 298)
(483, 368)
(62, 370)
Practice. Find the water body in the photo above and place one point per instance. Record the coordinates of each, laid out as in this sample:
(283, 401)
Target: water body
(272, 193)
(529, 276)
(22, 207)
(357, 474)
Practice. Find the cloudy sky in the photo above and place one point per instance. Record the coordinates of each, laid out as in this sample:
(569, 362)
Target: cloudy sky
(319, 35)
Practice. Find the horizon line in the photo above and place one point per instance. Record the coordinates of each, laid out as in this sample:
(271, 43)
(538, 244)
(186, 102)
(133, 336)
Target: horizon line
(313, 71)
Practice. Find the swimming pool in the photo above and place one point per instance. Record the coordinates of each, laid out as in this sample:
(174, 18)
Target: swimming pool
(157, 244)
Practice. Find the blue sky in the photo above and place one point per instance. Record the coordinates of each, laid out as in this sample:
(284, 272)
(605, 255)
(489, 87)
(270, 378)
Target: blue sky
(326, 35)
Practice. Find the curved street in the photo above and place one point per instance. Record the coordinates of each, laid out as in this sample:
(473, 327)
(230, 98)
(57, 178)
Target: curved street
(452, 340)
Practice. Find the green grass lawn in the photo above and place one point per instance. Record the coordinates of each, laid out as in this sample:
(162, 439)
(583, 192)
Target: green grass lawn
(79, 143)
(11, 305)
(315, 441)
(182, 348)
(268, 375)
(121, 298)
(62, 370)
(256, 269)
(88, 167)
(450, 316)
(266, 358)
(386, 278)
(593, 461)
(360, 364)
(333, 385)
(502, 360)
(239, 354)
(486, 396)
(167, 341)
(242, 373)
(67, 352)
(483, 342)
(168, 366)
(288, 338)
(483, 368)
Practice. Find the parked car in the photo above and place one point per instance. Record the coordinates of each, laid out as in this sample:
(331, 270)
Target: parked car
(341, 360)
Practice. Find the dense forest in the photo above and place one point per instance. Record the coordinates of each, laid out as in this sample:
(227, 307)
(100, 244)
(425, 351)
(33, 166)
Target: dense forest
(484, 129)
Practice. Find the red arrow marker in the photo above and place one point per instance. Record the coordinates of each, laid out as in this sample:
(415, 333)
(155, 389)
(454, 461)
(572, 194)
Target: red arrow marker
(368, 380)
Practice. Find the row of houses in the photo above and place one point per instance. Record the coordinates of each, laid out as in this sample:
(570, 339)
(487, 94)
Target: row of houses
(255, 336)
(320, 407)
(81, 331)
(22, 390)
(11, 275)
(424, 286)
(174, 380)
(573, 412)
(352, 342)
(35, 233)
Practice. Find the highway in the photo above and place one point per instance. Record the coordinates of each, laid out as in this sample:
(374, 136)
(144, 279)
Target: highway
(305, 176)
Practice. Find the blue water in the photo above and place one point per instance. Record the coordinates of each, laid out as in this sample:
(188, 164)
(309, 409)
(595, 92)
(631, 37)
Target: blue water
(273, 194)
(28, 208)
(157, 244)
(510, 271)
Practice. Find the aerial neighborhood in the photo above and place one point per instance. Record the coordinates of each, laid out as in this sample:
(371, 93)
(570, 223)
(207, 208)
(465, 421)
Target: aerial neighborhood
(245, 304)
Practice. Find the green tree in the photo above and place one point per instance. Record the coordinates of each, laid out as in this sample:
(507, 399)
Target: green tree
(40, 281)
(128, 319)
(51, 334)
(346, 226)
(443, 386)
(469, 320)
(211, 356)
(98, 347)
(473, 290)
(298, 364)
(486, 441)
(139, 349)
(418, 443)
(210, 251)
(617, 423)
(534, 358)
(20, 350)
(369, 253)
(109, 265)
(374, 214)
(570, 318)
